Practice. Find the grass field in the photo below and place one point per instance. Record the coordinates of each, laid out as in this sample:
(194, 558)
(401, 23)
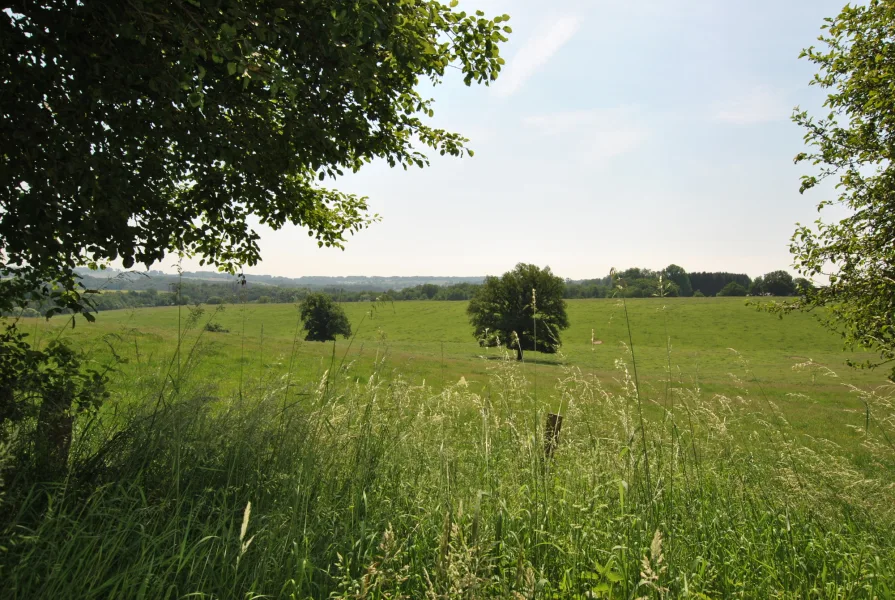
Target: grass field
(252, 464)
(717, 344)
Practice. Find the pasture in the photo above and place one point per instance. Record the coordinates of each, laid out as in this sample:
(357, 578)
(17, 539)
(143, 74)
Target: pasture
(408, 462)
(719, 345)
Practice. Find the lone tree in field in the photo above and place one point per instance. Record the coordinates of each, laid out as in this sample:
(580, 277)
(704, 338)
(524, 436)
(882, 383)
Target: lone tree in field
(853, 142)
(133, 130)
(323, 319)
(524, 308)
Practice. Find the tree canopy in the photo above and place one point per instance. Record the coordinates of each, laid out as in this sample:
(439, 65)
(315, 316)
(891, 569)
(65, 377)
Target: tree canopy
(733, 289)
(854, 144)
(137, 129)
(523, 309)
(323, 319)
(778, 283)
(712, 283)
(680, 278)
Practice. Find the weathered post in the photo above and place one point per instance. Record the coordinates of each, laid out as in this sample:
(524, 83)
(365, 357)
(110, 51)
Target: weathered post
(551, 435)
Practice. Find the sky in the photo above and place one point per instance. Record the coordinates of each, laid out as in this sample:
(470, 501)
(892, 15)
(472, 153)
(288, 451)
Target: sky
(619, 134)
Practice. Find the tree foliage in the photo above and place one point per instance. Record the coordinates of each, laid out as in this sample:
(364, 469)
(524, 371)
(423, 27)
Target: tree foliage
(135, 129)
(712, 283)
(854, 145)
(756, 288)
(323, 318)
(680, 278)
(589, 288)
(733, 289)
(778, 283)
(141, 128)
(43, 390)
(642, 283)
(524, 309)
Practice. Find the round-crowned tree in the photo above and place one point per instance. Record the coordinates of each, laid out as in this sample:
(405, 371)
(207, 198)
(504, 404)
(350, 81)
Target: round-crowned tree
(680, 277)
(779, 283)
(524, 308)
(323, 319)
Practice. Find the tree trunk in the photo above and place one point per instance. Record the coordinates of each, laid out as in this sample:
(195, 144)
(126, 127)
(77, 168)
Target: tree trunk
(53, 437)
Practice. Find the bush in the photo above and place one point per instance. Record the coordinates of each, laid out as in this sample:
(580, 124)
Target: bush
(214, 300)
(41, 392)
(215, 328)
(698, 294)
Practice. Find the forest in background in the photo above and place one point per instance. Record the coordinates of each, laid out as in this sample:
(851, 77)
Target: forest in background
(128, 290)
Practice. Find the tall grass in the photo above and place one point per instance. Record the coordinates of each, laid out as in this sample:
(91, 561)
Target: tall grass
(377, 488)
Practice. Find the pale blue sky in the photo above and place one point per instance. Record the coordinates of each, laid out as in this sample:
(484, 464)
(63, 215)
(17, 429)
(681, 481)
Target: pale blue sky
(619, 134)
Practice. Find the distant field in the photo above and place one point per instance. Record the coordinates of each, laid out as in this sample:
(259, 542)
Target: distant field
(432, 342)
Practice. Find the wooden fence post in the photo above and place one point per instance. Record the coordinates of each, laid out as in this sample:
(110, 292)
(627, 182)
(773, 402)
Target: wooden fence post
(551, 435)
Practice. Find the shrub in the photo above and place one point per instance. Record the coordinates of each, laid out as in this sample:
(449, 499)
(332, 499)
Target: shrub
(41, 391)
(215, 328)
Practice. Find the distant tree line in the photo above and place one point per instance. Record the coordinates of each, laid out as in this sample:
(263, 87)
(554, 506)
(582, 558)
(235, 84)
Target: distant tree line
(112, 279)
(630, 283)
(712, 283)
(189, 292)
(588, 288)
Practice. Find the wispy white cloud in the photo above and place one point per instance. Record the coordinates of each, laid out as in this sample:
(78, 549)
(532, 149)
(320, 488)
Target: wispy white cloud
(539, 49)
(759, 104)
(594, 135)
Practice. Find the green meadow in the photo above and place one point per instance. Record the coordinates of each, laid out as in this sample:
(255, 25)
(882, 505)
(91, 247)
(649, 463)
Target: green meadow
(719, 345)
(724, 453)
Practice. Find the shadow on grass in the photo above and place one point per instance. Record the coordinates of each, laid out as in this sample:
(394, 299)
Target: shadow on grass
(535, 361)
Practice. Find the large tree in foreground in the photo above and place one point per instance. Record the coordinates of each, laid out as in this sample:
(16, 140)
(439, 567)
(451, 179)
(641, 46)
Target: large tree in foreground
(854, 144)
(135, 129)
(523, 309)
